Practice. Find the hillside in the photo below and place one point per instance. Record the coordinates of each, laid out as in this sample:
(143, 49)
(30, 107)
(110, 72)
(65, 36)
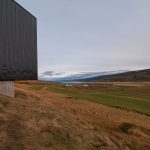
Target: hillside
(43, 120)
(132, 76)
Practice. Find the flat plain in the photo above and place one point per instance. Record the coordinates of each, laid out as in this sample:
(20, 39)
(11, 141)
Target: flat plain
(130, 96)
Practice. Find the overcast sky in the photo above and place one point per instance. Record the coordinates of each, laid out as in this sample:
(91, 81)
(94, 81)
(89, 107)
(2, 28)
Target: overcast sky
(92, 35)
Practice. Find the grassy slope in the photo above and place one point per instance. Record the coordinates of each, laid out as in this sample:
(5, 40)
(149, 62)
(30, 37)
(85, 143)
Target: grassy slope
(128, 97)
(43, 120)
(28, 122)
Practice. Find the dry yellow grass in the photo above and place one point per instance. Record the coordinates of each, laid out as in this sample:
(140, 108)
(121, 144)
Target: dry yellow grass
(43, 120)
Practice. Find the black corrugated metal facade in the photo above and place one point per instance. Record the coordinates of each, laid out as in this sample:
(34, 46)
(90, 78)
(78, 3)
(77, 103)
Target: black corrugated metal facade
(18, 42)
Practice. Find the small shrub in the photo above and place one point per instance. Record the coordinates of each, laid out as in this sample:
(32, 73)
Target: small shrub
(124, 127)
(69, 97)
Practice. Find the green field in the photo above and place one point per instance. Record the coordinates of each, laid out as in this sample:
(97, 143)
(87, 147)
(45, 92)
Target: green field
(134, 97)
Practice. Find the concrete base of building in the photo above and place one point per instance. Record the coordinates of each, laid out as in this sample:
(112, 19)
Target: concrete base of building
(7, 88)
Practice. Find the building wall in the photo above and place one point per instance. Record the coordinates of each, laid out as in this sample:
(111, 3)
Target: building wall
(18, 42)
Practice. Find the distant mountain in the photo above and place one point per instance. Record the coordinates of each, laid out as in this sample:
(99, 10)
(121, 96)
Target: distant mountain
(130, 76)
(70, 77)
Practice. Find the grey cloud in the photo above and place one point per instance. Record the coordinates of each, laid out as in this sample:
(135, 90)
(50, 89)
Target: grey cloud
(52, 73)
(48, 73)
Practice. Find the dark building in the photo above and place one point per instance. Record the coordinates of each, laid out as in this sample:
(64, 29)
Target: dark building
(18, 42)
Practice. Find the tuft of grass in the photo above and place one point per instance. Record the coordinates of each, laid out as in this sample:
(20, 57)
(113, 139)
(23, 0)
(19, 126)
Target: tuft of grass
(69, 97)
(125, 127)
(37, 87)
(15, 127)
(4, 102)
(60, 137)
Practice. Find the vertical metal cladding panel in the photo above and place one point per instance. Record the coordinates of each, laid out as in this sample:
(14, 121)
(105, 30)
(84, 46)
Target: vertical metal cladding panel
(18, 42)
